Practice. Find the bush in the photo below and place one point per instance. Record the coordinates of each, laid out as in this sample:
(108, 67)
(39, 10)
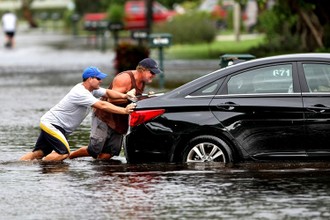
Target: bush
(279, 35)
(115, 13)
(190, 28)
(279, 38)
(128, 55)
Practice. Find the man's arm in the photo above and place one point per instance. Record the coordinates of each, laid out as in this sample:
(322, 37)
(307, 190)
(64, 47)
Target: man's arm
(108, 107)
(121, 83)
(118, 97)
(112, 94)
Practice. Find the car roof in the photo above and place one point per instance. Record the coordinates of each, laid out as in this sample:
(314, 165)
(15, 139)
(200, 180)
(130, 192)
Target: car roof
(251, 63)
(210, 77)
(295, 57)
(281, 58)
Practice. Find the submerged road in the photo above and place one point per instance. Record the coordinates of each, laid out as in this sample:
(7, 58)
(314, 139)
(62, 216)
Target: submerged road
(43, 52)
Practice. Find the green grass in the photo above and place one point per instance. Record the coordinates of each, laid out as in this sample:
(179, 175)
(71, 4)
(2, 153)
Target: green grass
(211, 51)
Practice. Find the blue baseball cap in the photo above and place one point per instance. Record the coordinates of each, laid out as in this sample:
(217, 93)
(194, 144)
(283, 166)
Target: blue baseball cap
(151, 65)
(93, 71)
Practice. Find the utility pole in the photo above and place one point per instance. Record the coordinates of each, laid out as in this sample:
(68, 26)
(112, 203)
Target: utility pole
(149, 16)
(237, 20)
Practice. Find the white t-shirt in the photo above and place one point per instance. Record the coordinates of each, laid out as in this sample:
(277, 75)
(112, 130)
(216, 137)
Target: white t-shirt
(9, 22)
(73, 108)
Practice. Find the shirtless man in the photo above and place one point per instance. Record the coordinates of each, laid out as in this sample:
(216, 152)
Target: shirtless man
(108, 128)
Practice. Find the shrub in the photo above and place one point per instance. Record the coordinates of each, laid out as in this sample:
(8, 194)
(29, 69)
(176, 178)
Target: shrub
(190, 28)
(279, 35)
(128, 55)
(115, 13)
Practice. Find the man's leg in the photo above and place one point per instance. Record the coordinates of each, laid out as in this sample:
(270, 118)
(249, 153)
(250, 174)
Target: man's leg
(81, 152)
(39, 150)
(58, 147)
(96, 140)
(8, 40)
(113, 145)
(38, 154)
(54, 156)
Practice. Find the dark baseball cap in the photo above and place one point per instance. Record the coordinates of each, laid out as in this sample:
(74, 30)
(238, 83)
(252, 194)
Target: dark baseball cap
(151, 65)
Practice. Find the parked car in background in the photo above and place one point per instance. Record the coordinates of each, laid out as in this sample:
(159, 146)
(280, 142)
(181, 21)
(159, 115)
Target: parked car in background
(268, 109)
(135, 14)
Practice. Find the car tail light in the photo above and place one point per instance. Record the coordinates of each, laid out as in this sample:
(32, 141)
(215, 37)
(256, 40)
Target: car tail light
(139, 117)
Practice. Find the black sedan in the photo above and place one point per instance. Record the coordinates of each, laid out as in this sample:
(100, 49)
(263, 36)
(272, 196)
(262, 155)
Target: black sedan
(275, 108)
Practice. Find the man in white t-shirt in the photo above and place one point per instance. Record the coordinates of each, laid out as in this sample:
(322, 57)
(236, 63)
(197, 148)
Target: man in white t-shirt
(9, 23)
(67, 115)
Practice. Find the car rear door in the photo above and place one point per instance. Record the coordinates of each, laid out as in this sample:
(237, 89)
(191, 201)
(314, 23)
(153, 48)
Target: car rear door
(315, 81)
(262, 110)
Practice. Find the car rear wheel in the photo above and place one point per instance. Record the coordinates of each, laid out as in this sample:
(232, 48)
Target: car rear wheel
(207, 149)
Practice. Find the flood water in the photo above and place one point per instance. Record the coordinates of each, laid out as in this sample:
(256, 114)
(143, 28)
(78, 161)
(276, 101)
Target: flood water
(88, 189)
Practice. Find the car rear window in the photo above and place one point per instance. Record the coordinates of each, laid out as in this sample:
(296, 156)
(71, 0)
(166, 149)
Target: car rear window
(209, 89)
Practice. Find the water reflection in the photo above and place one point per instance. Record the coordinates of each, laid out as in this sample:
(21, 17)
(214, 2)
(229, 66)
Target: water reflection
(207, 191)
(53, 167)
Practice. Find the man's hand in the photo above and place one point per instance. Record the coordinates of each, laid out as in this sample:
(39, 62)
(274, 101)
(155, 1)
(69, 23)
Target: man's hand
(131, 93)
(129, 108)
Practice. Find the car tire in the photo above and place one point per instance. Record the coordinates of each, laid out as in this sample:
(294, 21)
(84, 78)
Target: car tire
(207, 149)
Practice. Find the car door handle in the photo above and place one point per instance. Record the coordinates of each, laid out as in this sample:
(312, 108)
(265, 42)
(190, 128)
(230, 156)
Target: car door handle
(227, 106)
(318, 108)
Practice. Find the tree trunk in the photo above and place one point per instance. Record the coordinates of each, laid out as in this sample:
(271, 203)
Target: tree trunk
(314, 27)
(27, 14)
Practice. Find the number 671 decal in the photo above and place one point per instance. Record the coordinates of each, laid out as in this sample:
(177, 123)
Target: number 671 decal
(282, 72)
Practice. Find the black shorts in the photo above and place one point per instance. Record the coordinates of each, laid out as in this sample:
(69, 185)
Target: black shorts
(10, 33)
(51, 138)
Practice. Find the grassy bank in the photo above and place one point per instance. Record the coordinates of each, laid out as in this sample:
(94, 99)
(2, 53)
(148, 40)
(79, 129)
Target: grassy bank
(213, 50)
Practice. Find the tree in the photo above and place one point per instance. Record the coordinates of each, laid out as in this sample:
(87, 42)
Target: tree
(297, 26)
(312, 18)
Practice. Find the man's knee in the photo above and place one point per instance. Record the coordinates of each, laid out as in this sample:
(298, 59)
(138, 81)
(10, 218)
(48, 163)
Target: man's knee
(94, 152)
(95, 145)
(104, 156)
